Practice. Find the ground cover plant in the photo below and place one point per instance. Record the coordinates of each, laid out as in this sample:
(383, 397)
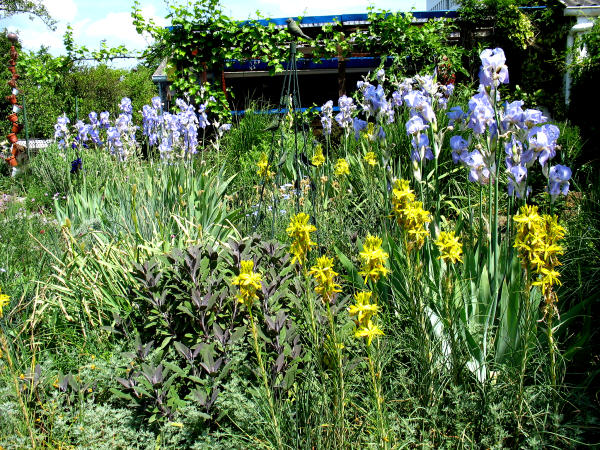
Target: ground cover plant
(422, 274)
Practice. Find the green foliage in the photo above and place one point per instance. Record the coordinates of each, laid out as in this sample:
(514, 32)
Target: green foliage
(35, 8)
(414, 48)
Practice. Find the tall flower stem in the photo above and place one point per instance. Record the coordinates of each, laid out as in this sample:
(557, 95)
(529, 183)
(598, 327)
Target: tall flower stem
(526, 330)
(311, 307)
(265, 380)
(376, 385)
(341, 394)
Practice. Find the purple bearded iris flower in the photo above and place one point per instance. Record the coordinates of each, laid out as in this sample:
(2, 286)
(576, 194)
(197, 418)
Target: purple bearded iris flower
(125, 106)
(513, 115)
(104, 120)
(327, 116)
(415, 125)
(347, 108)
(421, 149)
(558, 180)
(478, 171)
(481, 113)
(456, 115)
(420, 103)
(533, 117)
(542, 142)
(202, 117)
(358, 125)
(458, 146)
(493, 70)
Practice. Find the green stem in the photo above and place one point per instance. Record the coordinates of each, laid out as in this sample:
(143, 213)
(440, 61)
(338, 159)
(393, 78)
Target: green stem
(311, 307)
(265, 380)
(383, 435)
(341, 388)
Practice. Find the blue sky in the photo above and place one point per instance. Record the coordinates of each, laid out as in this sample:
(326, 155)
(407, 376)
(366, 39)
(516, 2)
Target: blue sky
(110, 20)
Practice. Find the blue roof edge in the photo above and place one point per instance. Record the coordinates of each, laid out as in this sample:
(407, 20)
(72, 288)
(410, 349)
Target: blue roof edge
(343, 18)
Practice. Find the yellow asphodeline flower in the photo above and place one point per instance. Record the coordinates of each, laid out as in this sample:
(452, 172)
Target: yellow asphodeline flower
(373, 259)
(371, 159)
(410, 214)
(364, 311)
(449, 246)
(248, 281)
(537, 245)
(370, 131)
(341, 167)
(324, 276)
(318, 159)
(264, 168)
(4, 299)
(299, 230)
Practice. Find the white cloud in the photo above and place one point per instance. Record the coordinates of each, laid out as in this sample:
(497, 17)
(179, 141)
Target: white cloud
(116, 28)
(61, 10)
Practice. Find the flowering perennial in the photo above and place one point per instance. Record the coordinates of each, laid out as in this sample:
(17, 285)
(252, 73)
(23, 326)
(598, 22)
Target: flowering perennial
(537, 245)
(324, 276)
(371, 159)
(410, 215)
(527, 138)
(318, 159)
(299, 230)
(4, 299)
(264, 168)
(449, 246)
(364, 311)
(248, 282)
(373, 259)
(342, 167)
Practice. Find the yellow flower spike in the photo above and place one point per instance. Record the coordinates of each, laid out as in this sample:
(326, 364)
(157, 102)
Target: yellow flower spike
(373, 258)
(363, 309)
(248, 282)
(536, 242)
(410, 214)
(264, 168)
(299, 230)
(318, 159)
(371, 159)
(324, 276)
(341, 167)
(449, 246)
(4, 300)
(369, 331)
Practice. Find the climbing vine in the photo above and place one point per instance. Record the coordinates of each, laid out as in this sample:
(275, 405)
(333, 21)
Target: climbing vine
(202, 38)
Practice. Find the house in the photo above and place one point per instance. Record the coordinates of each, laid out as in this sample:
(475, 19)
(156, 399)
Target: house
(586, 12)
(441, 5)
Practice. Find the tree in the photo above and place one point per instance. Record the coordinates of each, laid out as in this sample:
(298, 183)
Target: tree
(35, 8)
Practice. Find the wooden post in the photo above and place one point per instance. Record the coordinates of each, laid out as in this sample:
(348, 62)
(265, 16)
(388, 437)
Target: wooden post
(341, 73)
